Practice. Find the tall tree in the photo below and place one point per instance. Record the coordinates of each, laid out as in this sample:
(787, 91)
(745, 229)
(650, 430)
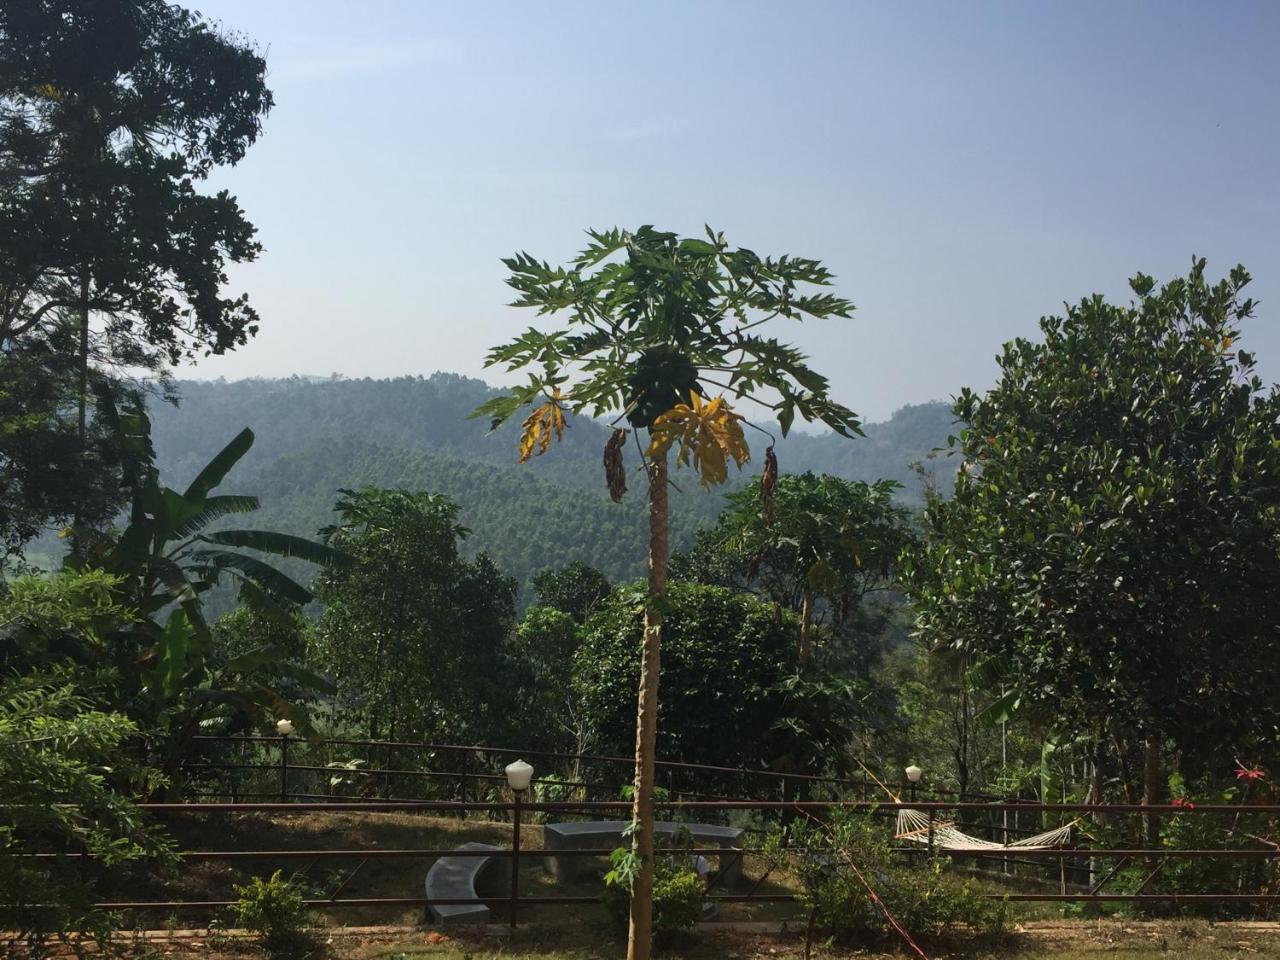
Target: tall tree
(656, 324)
(112, 112)
(1112, 552)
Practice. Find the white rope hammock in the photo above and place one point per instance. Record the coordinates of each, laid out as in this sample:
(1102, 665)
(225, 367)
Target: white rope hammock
(913, 825)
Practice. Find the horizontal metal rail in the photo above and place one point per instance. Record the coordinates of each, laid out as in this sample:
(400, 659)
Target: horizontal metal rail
(798, 806)
(717, 898)
(991, 854)
(410, 854)
(577, 757)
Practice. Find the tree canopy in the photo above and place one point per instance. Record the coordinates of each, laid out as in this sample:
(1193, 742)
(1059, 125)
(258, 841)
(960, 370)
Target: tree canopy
(1111, 553)
(412, 631)
(110, 114)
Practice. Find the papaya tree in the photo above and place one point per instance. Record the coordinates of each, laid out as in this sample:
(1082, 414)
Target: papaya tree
(663, 334)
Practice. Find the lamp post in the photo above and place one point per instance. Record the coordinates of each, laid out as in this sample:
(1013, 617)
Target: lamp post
(519, 775)
(284, 727)
(914, 773)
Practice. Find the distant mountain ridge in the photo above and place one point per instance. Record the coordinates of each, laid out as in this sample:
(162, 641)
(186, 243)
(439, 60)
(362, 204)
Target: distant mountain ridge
(317, 435)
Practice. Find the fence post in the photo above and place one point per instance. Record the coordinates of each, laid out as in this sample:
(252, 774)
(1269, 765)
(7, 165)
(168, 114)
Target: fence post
(515, 856)
(931, 833)
(284, 768)
(462, 782)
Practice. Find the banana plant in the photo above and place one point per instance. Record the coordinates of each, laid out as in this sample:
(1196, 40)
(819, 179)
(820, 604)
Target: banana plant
(164, 562)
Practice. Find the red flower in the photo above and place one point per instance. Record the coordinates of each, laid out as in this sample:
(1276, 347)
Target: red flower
(1249, 773)
(1184, 803)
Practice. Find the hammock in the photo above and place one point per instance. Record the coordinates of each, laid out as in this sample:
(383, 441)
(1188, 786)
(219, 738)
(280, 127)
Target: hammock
(913, 825)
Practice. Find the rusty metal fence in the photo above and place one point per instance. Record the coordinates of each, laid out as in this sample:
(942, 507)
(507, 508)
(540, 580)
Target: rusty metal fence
(242, 768)
(1083, 872)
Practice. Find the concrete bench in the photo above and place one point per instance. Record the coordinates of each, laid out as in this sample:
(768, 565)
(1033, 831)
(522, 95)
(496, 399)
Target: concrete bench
(455, 878)
(594, 834)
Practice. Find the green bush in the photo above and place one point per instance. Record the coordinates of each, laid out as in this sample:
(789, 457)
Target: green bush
(274, 909)
(66, 782)
(677, 899)
(926, 902)
(1190, 830)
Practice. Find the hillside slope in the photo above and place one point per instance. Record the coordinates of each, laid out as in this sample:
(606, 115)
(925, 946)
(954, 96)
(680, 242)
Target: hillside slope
(315, 437)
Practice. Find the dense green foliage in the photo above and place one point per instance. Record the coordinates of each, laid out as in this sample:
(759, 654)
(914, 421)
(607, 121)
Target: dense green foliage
(129, 604)
(825, 545)
(725, 655)
(677, 899)
(553, 716)
(837, 863)
(67, 770)
(1110, 554)
(110, 114)
(575, 589)
(412, 631)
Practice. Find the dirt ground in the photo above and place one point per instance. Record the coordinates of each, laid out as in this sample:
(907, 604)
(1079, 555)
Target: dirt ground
(1061, 940)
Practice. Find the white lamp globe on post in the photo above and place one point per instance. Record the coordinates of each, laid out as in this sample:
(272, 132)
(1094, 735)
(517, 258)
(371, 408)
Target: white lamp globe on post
(913, 777)
(519, 776)
(284, 727)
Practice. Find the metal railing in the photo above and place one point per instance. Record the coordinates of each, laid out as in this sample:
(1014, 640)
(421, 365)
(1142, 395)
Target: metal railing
(462, 777)
(1086, 862)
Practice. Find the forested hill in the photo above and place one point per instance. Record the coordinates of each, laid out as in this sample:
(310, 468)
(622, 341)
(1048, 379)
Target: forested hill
(315, 436)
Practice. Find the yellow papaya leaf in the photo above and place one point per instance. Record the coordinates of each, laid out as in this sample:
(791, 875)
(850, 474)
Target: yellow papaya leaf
(709, 433)
(540, 426)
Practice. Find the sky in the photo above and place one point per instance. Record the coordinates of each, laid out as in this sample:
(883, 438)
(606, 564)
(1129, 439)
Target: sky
(963, 168)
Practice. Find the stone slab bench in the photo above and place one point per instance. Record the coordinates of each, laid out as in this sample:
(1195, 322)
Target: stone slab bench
(455, 878)
(592, 834)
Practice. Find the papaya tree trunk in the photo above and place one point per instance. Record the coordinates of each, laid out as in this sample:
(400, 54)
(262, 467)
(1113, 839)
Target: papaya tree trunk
(640, 932)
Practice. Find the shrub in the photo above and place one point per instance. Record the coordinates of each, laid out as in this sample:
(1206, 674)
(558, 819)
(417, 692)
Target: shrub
(677, 899)
(1190, 830)
(66, 778)
(925, 902)
(274, 909)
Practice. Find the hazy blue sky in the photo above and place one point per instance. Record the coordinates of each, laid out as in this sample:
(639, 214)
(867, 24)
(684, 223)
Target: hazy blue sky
(962, 167)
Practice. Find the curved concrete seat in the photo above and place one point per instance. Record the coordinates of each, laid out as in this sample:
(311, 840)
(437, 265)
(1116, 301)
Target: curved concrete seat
(589, 834)
(455, 878)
